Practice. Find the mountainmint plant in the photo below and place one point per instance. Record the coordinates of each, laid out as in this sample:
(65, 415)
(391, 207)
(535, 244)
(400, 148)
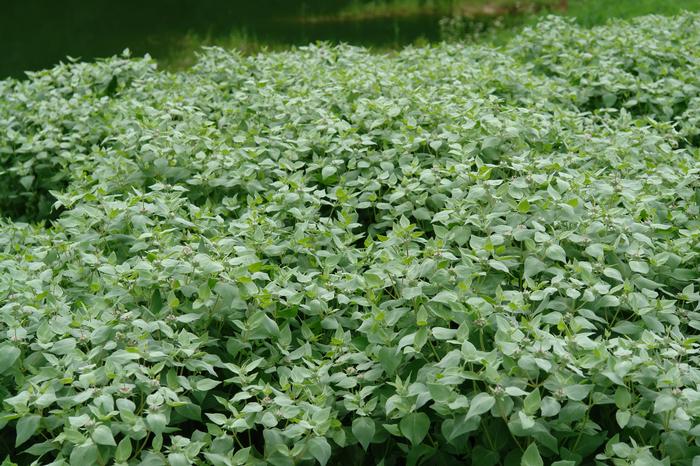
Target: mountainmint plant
(326, 256)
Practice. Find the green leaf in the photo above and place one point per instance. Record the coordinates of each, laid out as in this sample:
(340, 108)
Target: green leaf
(328, 171)
(452, 428)
(609, 99)
(526, 422)
(439, 392)
(480, 404)
(498, 266)
(595, 250)
(188, 318)
(41, 448)
(363, 430)
(577, 392)
(550, 406)
(102, 435)
(157, 442)
(415, 427)
(442, 333)
(123, 451)
(156, 422)
(390, 359)
(623, 398)
(217, 418)
(532, 402)
(622, 418)
(533, 266)
(84, 454)
(209, 266)
(8, 356)
(532, 457)
(178, 459)
(523, 206)
(612, 273)
(556, 253)
(639, 267)
(515, 391)
(205, 385)
(320, 449)
(609, 301)
(664, 403)
(27, 181)
(190, 411)
(26, 427)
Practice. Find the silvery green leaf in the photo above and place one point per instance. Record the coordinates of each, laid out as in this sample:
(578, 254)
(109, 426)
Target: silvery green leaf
(480, 404)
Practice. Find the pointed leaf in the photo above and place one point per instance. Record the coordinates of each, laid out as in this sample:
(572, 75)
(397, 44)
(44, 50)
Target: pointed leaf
(533, 266)
(123, 451)
(415, 427)
(26, 427)
(320, 449)
(556, 253)
(102, 435)
(363, 429)
(8, 355)
(480, 404)
(532, 457)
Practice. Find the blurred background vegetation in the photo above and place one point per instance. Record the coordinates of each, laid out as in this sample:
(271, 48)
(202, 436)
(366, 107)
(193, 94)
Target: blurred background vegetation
(36, 34)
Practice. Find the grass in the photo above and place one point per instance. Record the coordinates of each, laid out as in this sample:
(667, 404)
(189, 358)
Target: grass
(372, 9)
(588, 12)
(595, 12)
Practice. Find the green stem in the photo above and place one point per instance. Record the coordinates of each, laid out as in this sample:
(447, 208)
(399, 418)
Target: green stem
(143, 444)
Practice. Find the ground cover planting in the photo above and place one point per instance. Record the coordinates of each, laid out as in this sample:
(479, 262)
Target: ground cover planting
(326, 256)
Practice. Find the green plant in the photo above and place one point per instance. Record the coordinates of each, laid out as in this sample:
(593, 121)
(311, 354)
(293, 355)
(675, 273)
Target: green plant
(330, 256)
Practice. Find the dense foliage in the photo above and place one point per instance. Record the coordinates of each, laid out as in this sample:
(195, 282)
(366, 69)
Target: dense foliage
(328, 256)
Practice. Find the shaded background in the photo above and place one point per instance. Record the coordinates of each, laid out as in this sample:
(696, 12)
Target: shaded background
(36, 34)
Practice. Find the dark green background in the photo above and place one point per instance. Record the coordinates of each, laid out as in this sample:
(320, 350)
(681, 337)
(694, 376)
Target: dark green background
(36, 34)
